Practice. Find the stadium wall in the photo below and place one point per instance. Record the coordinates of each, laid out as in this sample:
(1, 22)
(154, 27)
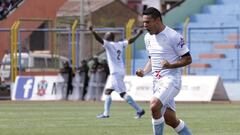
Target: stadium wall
(179, 14)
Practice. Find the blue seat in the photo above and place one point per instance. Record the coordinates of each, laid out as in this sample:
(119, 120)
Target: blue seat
(225, 64)
(200, 47)
(213, 26)
(227, 1)
(228, 74)
(224, 9)
(214, 17)
(229, 53)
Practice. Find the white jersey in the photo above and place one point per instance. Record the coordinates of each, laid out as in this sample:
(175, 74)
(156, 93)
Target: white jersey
(166, 45)
(114, 52)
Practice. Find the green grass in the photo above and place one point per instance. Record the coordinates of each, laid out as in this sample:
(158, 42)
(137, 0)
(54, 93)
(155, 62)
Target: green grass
(79, 118)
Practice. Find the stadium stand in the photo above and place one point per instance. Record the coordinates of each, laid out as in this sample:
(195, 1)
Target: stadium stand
(6, 6)
(213, 40)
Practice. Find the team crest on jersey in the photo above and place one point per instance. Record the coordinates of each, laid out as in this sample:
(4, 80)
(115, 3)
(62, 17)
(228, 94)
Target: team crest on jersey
(42, 87)
(157, 74)
(181, 42)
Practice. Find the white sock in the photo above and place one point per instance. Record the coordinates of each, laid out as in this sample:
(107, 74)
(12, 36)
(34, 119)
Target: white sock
(180, 126)
(131, 102)
(182, 129)
(107, 104)
(158, 125)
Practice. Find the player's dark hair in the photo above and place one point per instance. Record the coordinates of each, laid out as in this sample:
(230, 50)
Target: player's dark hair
(112, 36)
(109, 36)
(155, 13)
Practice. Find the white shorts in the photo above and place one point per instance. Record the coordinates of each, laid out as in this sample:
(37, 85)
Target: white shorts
(165, 89)
(115, 82)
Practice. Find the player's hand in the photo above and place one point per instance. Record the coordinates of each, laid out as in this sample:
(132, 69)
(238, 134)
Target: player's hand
(139, 72)
(165, 64)
(91, 28)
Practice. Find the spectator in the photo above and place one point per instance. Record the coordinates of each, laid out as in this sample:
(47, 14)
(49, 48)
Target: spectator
(67, 74)
(106, 68)
(83, 70)
(95, 64)
(93, 80)
(101, 78)
(3, 9)
(6, 6)
(9, 4)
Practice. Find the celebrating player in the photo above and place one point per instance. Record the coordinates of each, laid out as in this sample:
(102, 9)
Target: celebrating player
(115, 81)
(167, 54)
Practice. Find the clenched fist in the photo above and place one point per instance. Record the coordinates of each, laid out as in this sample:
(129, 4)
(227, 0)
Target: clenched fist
(139, 72)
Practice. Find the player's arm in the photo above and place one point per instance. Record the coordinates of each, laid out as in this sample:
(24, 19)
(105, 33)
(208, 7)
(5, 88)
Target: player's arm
(131, 40)
(97, 37)
(147, 69)
(186, 59)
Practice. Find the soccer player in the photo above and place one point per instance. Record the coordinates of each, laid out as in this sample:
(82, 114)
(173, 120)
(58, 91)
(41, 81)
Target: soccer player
(167, 54)
(115, 81)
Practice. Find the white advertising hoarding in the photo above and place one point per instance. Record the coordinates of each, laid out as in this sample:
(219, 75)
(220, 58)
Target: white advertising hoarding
(139, 88)
(202, 88)
(194, 88)
(37, 88)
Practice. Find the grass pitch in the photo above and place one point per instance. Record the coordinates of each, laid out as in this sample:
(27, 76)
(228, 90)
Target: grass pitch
(79, 118)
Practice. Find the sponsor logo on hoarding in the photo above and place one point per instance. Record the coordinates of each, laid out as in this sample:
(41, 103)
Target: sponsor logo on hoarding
(24, 88)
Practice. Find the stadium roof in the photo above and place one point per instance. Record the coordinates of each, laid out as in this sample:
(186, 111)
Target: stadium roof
(72, 7)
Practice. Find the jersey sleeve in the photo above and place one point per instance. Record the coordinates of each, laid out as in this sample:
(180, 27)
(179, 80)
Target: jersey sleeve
(123, 43)
(179, 44)
(105, 42)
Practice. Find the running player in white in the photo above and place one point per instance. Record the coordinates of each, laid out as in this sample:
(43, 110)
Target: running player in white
(167, 54)
(115, 81)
